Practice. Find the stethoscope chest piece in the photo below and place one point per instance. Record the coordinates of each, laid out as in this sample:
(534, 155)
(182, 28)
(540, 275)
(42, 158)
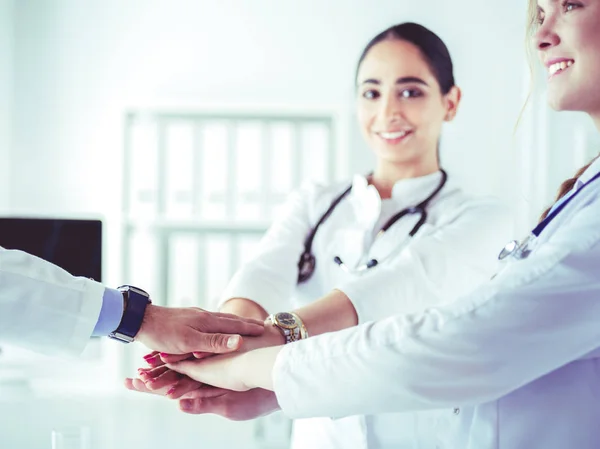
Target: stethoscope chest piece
(508, 250)
(516, 249)
(306, 267)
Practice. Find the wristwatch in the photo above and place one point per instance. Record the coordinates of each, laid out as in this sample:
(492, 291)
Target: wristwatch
(290, 325)
(134, 307)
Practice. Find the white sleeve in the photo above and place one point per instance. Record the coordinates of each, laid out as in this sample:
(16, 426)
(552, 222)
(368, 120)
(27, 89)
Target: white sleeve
(534, 317)
(270, 277)
(437, 268)
(43, 308)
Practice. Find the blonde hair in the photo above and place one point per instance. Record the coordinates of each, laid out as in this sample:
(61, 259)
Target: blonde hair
(568, 185)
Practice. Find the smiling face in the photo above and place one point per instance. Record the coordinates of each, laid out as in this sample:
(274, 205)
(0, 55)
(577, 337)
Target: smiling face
(568, 43)
(400, 105)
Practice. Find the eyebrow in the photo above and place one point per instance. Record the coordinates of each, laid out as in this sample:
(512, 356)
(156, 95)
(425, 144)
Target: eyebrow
(404, 80)
(540, 9)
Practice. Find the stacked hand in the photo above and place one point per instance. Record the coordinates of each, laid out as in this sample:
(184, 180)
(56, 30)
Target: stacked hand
(208, 383)
(187, 330)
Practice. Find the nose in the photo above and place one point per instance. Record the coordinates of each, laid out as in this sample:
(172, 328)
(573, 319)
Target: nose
(390, 107)
(546, 36)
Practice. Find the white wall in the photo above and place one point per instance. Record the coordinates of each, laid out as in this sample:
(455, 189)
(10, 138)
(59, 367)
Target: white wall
(6, 90)
(78, 63)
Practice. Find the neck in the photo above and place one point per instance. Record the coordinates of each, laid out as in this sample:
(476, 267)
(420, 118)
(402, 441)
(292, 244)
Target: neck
(387, 174)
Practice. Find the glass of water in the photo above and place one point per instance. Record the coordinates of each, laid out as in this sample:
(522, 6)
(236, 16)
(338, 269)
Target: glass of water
(72, 438)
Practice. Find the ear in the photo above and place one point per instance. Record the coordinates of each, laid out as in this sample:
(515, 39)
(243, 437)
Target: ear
(452, 101)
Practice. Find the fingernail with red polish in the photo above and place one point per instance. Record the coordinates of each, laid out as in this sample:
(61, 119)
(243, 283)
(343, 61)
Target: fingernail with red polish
(149, 356)
(164, 354)
(185, 404)
(171, 390)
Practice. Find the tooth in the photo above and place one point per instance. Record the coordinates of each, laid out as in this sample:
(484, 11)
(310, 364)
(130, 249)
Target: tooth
(563, 65)
(569, 64)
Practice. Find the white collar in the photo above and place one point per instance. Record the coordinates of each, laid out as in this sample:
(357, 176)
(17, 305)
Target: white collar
(591, 171)
(412, 190)
(405, 193)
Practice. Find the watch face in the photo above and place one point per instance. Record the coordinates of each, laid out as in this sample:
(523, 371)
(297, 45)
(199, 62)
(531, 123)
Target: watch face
(286, 320)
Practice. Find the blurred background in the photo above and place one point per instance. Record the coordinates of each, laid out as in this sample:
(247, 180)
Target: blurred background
(183, 124)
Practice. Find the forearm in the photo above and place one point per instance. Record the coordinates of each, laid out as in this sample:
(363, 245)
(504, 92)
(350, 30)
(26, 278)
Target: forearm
(333, 312)
(244, 307)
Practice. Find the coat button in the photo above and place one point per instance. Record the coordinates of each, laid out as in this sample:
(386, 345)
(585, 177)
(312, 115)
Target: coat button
(456, 411)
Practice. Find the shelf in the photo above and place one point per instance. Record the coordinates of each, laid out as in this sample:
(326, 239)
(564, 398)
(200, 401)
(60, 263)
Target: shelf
(169, 225)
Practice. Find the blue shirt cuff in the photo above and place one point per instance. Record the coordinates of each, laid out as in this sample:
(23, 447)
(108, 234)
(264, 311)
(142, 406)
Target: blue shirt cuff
(110, 314)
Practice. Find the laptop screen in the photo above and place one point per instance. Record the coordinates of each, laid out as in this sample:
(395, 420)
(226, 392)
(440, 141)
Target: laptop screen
(74, 245)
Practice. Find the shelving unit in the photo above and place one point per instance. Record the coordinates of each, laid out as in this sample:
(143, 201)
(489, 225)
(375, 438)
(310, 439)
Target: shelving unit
(200, 188)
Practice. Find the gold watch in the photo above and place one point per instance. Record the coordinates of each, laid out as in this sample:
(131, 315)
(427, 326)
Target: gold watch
(290, 325)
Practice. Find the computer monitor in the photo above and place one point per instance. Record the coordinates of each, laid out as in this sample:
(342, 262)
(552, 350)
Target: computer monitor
(74, 245)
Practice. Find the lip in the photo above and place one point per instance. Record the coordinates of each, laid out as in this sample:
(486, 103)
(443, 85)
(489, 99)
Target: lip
(550, 63)
(397, 140)
(553, 61)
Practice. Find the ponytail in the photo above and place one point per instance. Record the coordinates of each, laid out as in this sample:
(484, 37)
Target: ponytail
(568, 185)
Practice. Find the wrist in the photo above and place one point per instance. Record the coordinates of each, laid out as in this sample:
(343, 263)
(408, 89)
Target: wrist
(147, 322)
(273, 335)
(255, 368)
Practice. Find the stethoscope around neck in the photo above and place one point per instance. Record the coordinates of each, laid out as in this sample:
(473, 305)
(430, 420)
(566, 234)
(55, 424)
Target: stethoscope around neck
(522, 250)
(308, 262)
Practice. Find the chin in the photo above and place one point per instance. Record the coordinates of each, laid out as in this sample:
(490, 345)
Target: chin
(567, 101)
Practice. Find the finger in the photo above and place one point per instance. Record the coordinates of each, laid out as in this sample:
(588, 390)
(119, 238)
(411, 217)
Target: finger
(202, 355)
(212, 343)
(128, 382)
(153, 373)
(154, 360)
(188, 367)
(171, 358)
(168, 379)
(136, 385)
(233, 326)
(151, 355)
(200, 406)
(239, 318)
(233, 405)
(185, 385)
(205, 392)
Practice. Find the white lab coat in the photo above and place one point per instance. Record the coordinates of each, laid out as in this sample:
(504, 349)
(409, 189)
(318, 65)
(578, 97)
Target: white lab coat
(452, 253)
(517, 359)
(43, 308)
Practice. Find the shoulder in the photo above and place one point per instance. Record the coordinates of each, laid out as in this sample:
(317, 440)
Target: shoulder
(455, 201)
(319, 196)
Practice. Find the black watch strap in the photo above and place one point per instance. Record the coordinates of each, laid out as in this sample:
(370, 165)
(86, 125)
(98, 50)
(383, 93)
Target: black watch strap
(136, 301)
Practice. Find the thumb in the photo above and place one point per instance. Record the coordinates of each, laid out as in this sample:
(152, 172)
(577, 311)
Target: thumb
(215, 343)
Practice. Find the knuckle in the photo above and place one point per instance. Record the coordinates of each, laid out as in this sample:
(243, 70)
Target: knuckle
(228, 411)
(216, 341)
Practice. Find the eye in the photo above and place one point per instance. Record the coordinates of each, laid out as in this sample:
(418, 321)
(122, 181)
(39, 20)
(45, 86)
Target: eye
(568, 6)
(370, 94)
(539, 19)
(411, 93)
